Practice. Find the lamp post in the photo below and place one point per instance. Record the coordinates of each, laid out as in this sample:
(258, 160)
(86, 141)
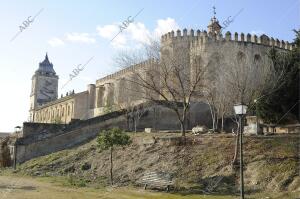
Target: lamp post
(17, 131)
(241, 110)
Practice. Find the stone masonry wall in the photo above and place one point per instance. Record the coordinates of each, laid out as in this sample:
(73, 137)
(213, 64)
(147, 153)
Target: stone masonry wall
(42, 139)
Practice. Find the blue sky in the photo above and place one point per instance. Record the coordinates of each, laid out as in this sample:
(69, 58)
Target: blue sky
(74, 31)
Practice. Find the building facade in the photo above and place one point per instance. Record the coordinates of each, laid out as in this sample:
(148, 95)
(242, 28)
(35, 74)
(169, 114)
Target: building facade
(112, 93)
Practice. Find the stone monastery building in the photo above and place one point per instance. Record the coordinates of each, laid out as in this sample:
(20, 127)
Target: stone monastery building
(109, 92)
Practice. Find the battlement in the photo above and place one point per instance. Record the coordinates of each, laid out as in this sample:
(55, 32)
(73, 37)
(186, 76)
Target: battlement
(170, 36)
(199, 37)
(124, 71)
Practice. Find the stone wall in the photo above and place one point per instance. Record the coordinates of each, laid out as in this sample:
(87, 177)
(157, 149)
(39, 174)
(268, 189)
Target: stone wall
(49, 138)
(63, 110)
(41, 139)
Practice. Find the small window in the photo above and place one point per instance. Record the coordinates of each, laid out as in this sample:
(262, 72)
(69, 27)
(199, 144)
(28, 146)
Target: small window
(241, 57)
(257, 59)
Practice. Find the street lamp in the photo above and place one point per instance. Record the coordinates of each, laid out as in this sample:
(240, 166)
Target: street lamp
(241, 110)
(17, 131)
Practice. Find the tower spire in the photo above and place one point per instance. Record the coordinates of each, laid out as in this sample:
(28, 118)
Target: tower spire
(46, 57)
(46, 65)
(214, 27)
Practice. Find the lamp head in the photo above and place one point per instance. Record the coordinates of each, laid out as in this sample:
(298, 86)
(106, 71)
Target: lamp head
(240, 109)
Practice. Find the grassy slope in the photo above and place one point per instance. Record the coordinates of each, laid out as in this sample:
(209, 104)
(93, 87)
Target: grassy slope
(271, 163)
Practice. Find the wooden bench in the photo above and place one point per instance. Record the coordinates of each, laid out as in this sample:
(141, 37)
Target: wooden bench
(156, 180)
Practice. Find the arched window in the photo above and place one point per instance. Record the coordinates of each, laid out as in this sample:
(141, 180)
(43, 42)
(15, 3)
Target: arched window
(68, 110)
(257, 59)
(241, 58)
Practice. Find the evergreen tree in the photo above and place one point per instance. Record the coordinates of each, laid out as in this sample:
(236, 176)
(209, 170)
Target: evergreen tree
(107, 139)
(280, 105)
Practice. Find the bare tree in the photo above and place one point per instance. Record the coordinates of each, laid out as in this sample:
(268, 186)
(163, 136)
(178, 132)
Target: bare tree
(242, 80)
(246, 79)
(167, 80)
(210, 98)
(133, 113)
(136, 113)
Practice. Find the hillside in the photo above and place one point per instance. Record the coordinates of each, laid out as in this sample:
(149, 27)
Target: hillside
(272, 163)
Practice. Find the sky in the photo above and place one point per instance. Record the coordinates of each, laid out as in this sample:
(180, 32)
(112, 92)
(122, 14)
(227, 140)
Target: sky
(74, 32)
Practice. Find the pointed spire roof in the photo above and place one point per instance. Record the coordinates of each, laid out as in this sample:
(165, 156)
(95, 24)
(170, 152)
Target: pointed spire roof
(46, 61)
(46, 66)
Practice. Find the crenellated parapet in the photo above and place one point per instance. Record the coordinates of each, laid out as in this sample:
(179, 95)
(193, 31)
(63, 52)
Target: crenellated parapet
(127, 70)
(198, 37)
(181, 35)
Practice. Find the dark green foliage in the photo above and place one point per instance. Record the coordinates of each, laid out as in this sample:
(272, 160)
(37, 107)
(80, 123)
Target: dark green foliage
(85, 166)
(112, 137)
(107, 139)
(77, 182)
(285, 98)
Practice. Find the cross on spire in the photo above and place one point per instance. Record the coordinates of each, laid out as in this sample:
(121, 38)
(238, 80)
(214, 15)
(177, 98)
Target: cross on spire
(214, 7)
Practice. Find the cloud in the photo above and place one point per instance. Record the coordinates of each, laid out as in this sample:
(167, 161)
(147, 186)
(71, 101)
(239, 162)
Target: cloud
(54, 42)
(119, 42)
(131, 36)
(139, 33)
(108, 31)
(113, 34)
(135, 33)
(80, 37)
(72, 37)
(165, 25)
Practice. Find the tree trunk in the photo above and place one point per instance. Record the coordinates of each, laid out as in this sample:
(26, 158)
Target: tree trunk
(154, 118)
(111, 166)
(222, 123)
(182, 128)
(135, 124)
(213, 121)
(217, 121)
(127, 122)
(213, 116)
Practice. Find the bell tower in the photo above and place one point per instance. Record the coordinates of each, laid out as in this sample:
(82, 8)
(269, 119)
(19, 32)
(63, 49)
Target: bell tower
(214, 27)
(44, 87)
